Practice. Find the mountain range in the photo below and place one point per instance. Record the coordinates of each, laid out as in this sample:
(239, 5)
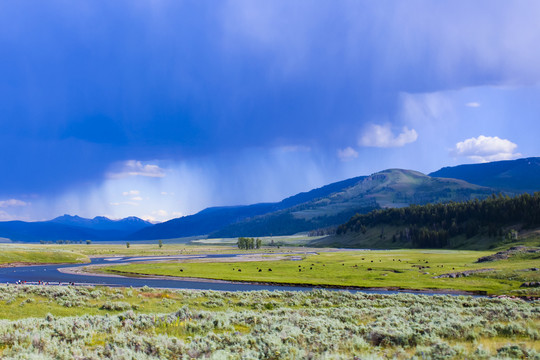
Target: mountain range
(213, 219)
(389, 188)
(328, 206)
(73, 228)
(522, 175)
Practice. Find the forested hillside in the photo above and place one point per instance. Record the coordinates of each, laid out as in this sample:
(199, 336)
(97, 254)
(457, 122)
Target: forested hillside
(389, 188)
(433, 225)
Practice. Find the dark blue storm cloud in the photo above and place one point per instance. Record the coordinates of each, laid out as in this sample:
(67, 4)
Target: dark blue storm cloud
(88, 84)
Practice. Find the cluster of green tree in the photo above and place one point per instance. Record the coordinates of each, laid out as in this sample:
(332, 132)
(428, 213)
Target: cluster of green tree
(249, 243)
(432, 225)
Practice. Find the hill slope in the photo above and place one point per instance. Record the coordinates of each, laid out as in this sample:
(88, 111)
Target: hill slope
(215, 218)
(522, 175)
(473, 224)
(389, 188)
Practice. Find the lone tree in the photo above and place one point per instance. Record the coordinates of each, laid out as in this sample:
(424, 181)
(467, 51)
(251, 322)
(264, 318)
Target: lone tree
(127, 245)
(160, 244)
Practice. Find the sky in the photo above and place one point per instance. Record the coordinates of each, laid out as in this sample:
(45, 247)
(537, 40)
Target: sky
(158, 109)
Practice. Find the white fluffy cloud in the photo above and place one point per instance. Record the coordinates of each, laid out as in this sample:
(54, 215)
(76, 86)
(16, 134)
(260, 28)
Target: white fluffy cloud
(383, 137)
(12, 202)
(158, 216)
(136, 168)
(347, 154)
(486, 148)
(134, 195)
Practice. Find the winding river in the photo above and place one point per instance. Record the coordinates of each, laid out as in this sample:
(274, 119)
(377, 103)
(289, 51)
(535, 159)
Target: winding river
(53, 275)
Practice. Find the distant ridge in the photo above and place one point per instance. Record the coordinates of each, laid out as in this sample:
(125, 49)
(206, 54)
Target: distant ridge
(216, 218)
(522, 175)
(131, 223)
(386, 189)
(73, 228)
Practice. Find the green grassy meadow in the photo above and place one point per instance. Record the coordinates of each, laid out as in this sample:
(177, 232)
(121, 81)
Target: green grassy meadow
(401, 269)
(34, 252)
(28, 254)
(404, 269)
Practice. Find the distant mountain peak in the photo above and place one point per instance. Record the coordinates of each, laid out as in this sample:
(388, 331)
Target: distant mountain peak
(102, 218)
(67, 216)
(129, 224)
(134, 219)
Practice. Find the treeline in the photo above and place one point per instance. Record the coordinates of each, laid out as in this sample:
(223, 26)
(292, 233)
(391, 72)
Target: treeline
(88, 242)
(249, 243)
(432, 225)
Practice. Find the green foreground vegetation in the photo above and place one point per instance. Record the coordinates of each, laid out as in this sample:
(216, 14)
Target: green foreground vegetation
(405, 269)
(42, 322)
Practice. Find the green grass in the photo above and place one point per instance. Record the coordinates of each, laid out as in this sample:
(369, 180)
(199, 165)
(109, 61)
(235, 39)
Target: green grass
(368, 269)
(174, 324)
(73, 253)
(105, 250)
(100, 250)
(24, 254)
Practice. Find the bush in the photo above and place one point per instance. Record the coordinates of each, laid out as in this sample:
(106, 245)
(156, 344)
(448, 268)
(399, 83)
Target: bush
(283, 326)
(115, 306)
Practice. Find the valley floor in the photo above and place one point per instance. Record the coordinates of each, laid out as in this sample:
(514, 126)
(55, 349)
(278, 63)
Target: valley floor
(95, 322)
(392, 269)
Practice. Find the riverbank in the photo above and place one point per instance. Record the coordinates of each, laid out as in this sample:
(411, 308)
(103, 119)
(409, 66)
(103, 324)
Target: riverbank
(95, 270)
(414, 271)
(410, 270)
